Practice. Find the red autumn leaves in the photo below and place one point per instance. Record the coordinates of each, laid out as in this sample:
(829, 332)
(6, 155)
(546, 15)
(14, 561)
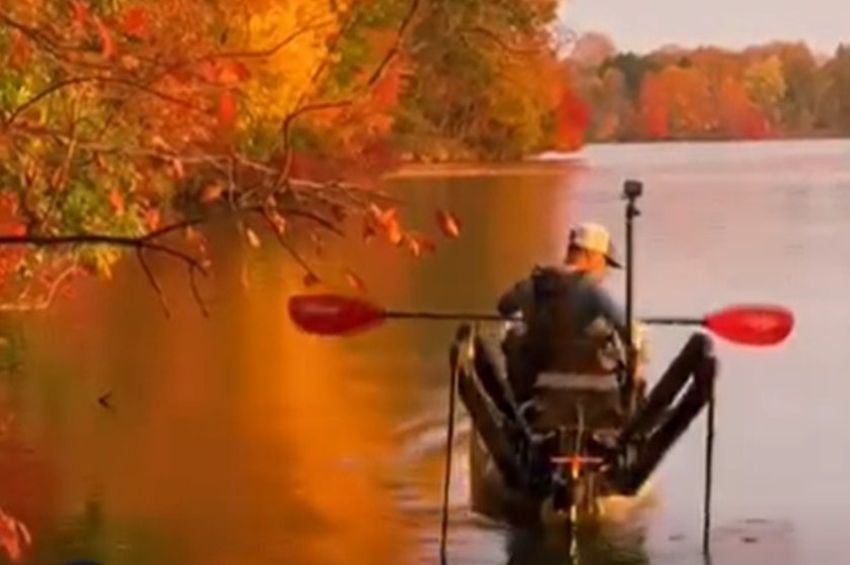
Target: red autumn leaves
(134, 25)
(14, 537)
(386, 222)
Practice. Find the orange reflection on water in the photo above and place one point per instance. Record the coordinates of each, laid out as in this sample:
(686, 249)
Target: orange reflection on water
(332, 416)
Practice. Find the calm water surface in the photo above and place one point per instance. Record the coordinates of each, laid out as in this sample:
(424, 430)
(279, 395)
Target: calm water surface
(235, 439)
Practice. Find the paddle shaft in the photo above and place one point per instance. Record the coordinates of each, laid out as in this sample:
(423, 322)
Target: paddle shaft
(477, 317)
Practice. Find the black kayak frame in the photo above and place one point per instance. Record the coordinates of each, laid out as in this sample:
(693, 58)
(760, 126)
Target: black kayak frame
(531, 463)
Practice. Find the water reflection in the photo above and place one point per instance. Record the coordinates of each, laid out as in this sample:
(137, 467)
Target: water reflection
(608, 544)
(238, 440)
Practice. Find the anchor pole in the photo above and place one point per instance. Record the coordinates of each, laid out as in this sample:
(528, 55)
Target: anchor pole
(450, 430)
(709, 463)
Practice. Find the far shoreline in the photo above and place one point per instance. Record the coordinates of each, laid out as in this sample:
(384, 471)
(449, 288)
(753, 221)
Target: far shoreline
(552, 162)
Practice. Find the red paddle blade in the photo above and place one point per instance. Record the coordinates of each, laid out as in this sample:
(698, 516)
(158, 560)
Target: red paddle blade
(752, 325)
(327, 314)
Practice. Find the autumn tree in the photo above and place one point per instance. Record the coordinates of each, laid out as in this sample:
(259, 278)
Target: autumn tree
(123, 122)
(765, 84)
(488, 88)
(771, 90)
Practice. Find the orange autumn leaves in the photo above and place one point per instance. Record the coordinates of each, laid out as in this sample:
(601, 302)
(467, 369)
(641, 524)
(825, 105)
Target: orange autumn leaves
(679, 101)
(384, 224)
(779, 89)
(14, 537)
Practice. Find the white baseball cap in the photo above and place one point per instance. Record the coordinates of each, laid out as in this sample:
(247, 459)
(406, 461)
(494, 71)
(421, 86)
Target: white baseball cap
(594, 237)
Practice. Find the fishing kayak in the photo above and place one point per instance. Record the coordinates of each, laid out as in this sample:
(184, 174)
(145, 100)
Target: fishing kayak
(526, 465)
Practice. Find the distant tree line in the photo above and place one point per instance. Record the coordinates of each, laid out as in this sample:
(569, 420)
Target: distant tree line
(776, 90)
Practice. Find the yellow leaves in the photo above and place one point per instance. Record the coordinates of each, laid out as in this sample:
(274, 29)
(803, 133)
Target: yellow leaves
(294, 34)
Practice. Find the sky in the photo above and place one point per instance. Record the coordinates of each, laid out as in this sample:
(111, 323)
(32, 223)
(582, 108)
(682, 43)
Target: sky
(642, 25)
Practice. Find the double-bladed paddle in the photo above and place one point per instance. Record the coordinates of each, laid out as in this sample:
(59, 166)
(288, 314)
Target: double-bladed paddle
(335, 315)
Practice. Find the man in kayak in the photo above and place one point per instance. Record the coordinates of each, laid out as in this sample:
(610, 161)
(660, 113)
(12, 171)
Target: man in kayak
(570, 349)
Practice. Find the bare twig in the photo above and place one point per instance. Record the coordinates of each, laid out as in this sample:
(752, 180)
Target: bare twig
(153, 282)
(394, 50)
(495, 38)
(98, 239)
(268, 52)
(59, 85)
(287, 247)
(193, 283)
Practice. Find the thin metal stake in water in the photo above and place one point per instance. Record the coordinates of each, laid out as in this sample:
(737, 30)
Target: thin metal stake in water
(709, 463)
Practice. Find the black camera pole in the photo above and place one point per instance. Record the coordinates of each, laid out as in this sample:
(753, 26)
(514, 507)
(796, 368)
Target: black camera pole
(632, 190)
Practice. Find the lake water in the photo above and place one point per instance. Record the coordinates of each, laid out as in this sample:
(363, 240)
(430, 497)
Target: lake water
(235, 439)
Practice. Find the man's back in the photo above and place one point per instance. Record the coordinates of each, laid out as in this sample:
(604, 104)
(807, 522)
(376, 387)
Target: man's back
(570, 321)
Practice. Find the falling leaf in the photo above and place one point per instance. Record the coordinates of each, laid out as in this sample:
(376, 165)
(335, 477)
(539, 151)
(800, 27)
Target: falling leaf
(211, 193)
(310, 279)
(107, 44)
(252, 237)
(449, 224)
(116, 200)
(135, 23)
(227, 109)
(354, 281)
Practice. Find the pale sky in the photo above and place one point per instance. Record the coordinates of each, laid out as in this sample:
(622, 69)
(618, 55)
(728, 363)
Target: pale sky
(642, 25)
